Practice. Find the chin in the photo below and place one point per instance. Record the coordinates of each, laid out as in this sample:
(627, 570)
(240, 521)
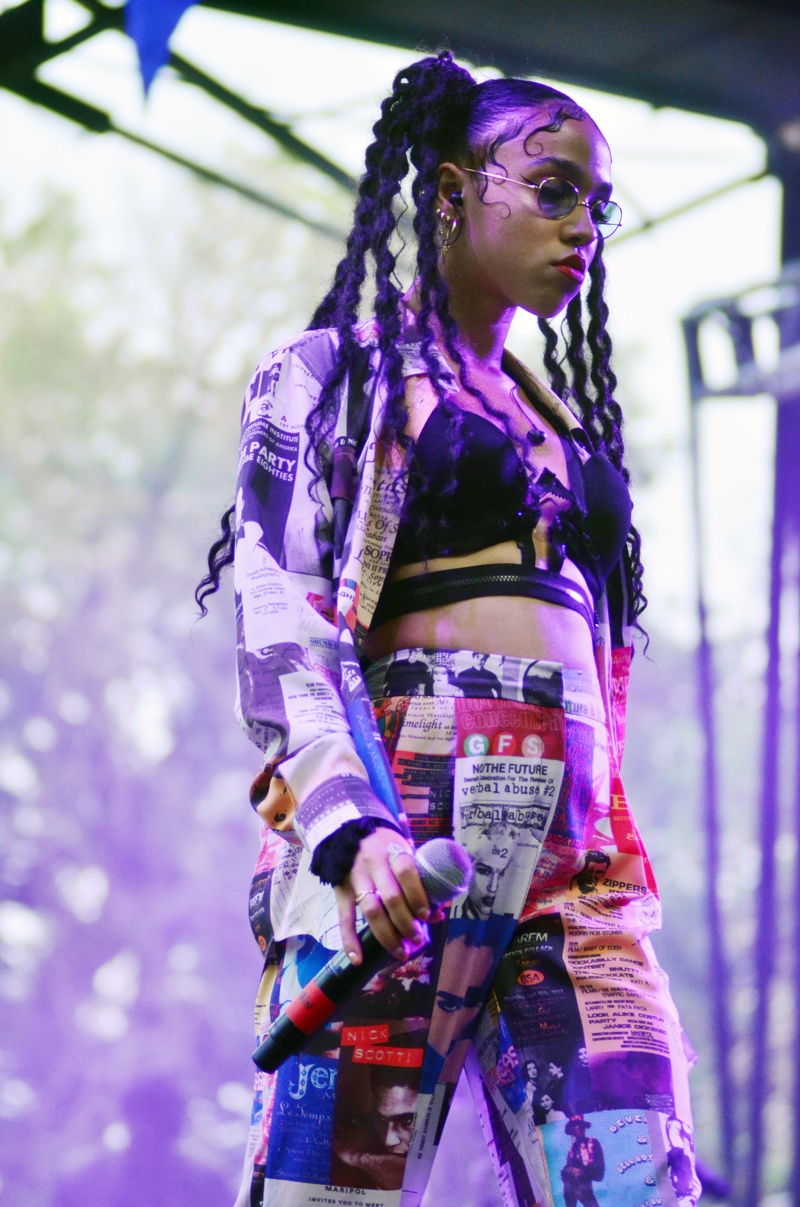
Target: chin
(558, 306)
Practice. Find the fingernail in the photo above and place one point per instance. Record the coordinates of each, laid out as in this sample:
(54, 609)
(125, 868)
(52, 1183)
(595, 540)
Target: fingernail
(423, 915)
(352, 957)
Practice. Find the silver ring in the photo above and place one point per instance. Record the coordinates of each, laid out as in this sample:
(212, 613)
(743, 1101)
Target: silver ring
(396, 849)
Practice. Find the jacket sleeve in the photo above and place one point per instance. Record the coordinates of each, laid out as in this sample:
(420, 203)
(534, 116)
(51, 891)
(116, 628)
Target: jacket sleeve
(619, 593)
(289, 701)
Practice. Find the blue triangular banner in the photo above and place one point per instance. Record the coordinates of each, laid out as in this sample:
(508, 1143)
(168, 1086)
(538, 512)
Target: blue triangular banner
(150, 23)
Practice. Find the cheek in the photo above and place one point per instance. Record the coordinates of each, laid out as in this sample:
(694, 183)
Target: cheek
(500, 238)
(514, 253)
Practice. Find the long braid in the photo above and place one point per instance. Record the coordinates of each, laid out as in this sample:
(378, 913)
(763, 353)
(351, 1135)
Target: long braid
(555, 372)
(602, 375)
(597, 409)
(419, 96)
(373, 221)
(218, 559)
(576, 359)
(373, 225)
(604, 381)
(432, 293)
(373, 228)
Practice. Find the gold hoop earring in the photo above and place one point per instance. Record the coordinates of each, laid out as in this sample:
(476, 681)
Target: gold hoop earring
(447, 232)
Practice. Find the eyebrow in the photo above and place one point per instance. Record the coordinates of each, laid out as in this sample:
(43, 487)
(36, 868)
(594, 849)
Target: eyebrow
(567, 165)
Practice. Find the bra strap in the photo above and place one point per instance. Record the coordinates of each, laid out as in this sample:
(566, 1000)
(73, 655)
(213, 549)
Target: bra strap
(441, 587)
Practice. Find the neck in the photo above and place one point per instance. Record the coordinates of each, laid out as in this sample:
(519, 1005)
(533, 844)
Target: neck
(482, 323)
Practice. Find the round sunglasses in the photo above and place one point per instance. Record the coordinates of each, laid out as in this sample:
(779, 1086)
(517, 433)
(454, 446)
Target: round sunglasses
(557, 197)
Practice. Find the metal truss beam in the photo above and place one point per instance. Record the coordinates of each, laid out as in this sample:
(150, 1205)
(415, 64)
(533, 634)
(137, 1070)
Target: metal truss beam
(23, 50)
(98, 122)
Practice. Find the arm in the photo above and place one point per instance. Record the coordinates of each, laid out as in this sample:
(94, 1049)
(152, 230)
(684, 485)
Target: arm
(289, 700)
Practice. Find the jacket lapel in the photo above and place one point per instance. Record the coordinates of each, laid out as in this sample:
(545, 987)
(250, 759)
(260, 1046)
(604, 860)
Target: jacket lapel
(373, 526)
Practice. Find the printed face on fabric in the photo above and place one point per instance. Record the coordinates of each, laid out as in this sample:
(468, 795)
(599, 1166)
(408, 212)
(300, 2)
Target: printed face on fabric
(394, 1117)
(595, 868)
(370, 1146)
(490, 859)
(506, 250)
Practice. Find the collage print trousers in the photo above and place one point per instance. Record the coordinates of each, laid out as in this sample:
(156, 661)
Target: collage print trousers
(540, 984)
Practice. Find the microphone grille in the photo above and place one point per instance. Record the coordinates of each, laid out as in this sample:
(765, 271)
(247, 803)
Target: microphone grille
(445, 869)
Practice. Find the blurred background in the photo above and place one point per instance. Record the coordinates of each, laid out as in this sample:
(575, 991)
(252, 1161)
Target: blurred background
(136, 297)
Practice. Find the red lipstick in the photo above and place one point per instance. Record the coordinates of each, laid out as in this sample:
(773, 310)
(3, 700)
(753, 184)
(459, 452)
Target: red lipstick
(572, 267)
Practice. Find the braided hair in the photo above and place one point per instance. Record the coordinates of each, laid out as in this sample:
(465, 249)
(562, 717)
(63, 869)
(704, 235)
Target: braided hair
(436, 113)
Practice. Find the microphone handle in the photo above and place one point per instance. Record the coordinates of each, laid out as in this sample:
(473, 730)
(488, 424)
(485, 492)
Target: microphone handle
(372, 752)
(445, 870)
(315, 1004)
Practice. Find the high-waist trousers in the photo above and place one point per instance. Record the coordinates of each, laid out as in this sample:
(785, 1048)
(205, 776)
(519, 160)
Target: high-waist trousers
(540, 984)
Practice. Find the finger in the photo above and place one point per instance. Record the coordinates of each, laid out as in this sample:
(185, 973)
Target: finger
(381, 925)
(396, 906)
(405, 871)
(345, 902)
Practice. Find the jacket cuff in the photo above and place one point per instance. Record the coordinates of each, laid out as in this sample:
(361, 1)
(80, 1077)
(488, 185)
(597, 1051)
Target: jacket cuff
(338, 800)
(334, 858)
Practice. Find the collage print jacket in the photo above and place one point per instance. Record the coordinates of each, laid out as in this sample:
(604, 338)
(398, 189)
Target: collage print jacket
(297, 612)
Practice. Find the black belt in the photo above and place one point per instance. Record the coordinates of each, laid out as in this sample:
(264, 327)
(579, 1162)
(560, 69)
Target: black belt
(440, 587)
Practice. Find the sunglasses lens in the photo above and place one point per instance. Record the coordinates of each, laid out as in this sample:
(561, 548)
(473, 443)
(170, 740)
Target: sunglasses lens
(606, 216)
(556, 197)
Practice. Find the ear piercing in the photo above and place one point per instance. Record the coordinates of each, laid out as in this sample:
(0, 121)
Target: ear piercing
(449, 226)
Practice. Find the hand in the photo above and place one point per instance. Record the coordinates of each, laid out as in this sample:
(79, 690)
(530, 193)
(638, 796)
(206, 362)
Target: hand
(395, 903)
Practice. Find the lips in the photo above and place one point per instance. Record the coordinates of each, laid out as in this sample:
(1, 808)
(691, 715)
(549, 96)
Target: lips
(572, 267)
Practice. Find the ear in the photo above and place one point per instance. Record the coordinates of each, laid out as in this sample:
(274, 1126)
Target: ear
(452, 181)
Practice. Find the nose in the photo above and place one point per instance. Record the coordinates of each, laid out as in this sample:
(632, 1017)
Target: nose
(393, 1136)
(580, 226)
(494, 882)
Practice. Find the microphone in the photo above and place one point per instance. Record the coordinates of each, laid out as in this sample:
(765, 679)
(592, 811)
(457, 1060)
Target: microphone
(445, 870)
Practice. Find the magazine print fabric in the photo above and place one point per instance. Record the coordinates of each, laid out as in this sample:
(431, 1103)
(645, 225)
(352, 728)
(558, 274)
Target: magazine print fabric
(542, 976)
(520, 760)
(293, 602)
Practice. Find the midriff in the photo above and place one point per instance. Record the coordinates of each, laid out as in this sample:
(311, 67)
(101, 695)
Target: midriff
(512, 625)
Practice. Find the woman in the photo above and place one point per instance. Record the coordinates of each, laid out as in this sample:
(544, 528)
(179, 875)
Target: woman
(409, 489)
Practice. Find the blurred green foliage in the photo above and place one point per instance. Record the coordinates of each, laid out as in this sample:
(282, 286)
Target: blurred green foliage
(126, 840)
